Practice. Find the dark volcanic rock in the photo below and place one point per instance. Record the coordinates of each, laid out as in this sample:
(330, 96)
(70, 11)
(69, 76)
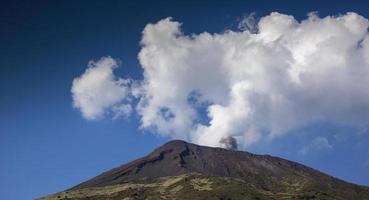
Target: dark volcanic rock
(181, 170)
(178, 157)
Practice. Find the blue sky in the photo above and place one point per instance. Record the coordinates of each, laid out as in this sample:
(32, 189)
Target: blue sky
(46, 145)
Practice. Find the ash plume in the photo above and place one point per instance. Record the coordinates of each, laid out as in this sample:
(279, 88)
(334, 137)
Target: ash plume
(229, 142)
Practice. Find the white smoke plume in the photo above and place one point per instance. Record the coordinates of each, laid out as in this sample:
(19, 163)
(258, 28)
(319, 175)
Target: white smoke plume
(252, 85)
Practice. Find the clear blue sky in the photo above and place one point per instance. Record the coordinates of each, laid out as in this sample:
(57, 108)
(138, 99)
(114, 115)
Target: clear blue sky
(47, 146)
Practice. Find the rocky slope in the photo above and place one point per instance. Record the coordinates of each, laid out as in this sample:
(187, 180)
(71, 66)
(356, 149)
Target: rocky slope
(181, 170)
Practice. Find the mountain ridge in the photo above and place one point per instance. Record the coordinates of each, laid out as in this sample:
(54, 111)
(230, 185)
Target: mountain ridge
(263, 173)
(180, 149)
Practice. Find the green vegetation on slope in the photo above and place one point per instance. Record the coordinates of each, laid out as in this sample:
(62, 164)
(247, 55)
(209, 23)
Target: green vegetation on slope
(196, 186)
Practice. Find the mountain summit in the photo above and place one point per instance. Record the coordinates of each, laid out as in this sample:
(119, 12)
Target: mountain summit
(181, 170)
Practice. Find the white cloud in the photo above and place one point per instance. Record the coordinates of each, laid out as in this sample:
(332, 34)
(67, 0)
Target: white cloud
(318, 144)
(248, 23)
(97, 90)
(321, 142)
(252, 85)
(120, 110)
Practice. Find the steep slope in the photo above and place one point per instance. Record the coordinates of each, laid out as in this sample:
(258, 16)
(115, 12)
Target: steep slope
(246, 175)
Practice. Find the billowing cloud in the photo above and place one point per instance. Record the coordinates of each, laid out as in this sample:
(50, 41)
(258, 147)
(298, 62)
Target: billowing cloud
(280, 76)
(98, 91)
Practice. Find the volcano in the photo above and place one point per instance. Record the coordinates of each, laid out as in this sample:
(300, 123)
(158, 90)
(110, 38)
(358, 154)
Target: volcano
(181, 170)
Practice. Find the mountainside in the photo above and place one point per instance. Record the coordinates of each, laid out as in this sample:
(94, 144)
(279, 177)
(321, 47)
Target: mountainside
(181, 170)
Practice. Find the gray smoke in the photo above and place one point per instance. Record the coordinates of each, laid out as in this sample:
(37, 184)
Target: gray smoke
(229, 142)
